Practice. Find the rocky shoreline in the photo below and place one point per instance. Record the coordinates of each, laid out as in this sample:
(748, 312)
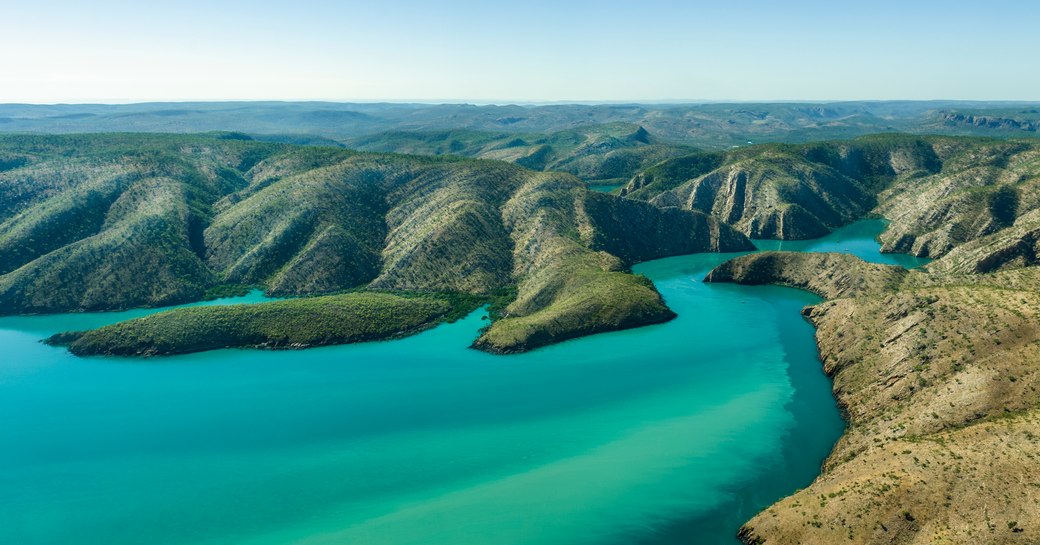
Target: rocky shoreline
(937, 377)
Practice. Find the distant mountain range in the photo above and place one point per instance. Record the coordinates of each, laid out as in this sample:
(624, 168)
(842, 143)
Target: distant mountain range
(712, 126)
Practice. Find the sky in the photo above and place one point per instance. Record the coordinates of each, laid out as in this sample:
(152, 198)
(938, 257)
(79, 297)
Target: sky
(521, 51)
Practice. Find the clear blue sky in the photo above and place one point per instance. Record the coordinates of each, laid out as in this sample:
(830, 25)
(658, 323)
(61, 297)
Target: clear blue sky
(534, 50)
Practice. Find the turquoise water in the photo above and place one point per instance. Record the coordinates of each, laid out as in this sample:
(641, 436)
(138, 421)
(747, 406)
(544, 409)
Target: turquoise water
(603, 188)
(674, 433)
(858, 239)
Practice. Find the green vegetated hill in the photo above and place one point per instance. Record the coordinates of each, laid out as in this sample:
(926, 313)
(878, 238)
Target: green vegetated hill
(597, 153)
(938, 192)
(292, 323)
(116, 221)
(936, 372)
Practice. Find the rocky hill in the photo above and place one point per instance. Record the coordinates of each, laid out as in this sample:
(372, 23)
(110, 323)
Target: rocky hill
(829, 275)
(116, 221)
(1011, 120)
(938, 192)
(983, 186)
(937, 376)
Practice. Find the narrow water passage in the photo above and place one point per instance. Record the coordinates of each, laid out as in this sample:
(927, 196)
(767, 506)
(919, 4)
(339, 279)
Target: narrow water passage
(674, 433)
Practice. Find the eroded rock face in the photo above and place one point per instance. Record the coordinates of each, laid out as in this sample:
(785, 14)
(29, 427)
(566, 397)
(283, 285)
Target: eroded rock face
(938, 192)
(638, 231)
(829, 275)
(785, 192)
(931, 215)
(1011, 248)
(990, 122)
(767, 198)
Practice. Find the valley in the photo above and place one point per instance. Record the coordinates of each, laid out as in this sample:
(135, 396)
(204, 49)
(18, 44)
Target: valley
(497, 242)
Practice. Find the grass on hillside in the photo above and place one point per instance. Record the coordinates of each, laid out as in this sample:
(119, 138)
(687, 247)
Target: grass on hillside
(597, 302)
(293, 323)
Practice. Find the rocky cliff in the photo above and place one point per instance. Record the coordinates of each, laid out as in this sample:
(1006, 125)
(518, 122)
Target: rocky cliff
(984, 121)
(983, 187)
(829, 275)
(638, 231)
(938, 192)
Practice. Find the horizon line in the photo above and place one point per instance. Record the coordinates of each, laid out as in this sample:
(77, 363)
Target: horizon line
(480, 102)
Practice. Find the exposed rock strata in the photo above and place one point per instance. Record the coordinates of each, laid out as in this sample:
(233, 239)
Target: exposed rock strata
(938, 192)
